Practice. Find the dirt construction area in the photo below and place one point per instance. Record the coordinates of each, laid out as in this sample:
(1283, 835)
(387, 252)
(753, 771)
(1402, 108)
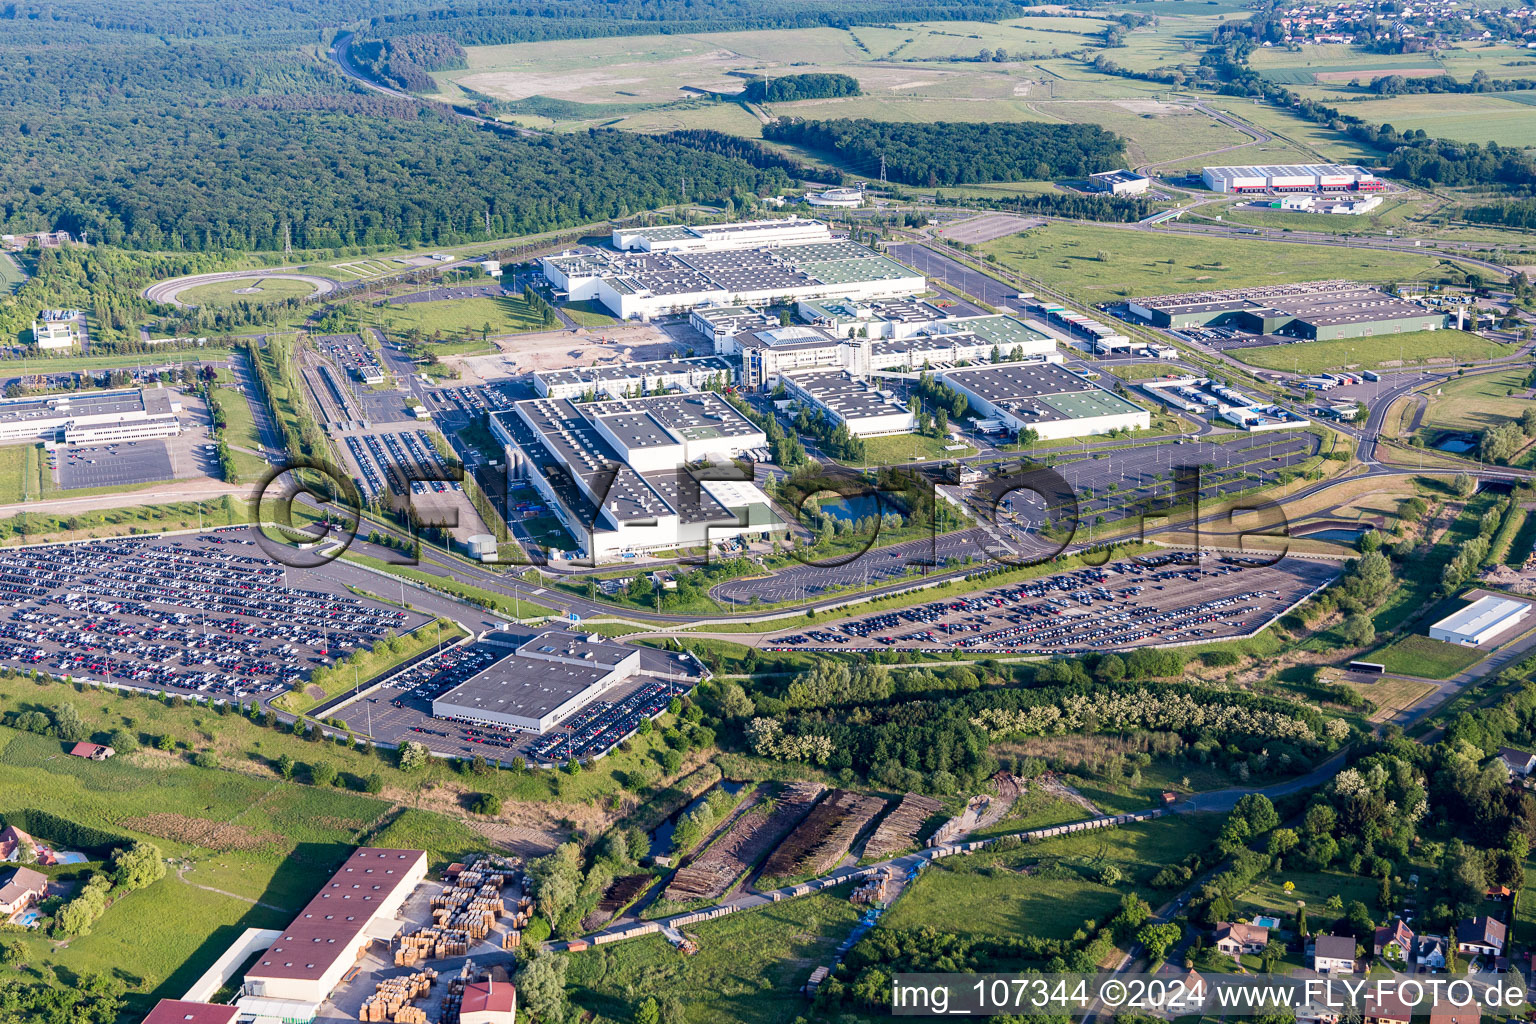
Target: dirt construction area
(555, 350)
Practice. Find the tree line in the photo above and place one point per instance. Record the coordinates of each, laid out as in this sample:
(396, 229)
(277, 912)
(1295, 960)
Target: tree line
(953, 152)
(788, 88)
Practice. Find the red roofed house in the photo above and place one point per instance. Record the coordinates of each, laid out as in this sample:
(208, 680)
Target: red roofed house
(91, 751)
(1453, 1014)
(1388, 1009)
(488, 1002)
(177, 1011)
(24, 888)
(13, 840)
(1235, 939)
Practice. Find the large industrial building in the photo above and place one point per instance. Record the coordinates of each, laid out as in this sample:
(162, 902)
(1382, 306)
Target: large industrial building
(1119, 183)
(1206, 397)
(656, 271)
(56, 329)
(1480, 621)
(1044, 397)
(1291, 178)
(860, 404)
(291, 979)
(625, 379)
(617, 474)
(540, 681)
(88, 417)
(1314, 311)
(872, 342)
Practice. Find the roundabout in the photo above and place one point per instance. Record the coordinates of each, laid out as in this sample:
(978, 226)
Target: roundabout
(227, 288)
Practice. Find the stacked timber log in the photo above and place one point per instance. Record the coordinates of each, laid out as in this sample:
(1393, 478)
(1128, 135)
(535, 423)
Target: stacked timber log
(751, 835)
(900, 828)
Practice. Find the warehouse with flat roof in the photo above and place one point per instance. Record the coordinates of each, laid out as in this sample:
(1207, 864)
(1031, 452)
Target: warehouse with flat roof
(1480, 621)
(1312, 310)
(640, 283)
(85, 417)
(624, 379)
(638, 474)
(860, 404)
(1291, 178)
(1044, 397)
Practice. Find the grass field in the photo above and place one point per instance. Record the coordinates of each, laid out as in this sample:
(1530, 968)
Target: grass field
(1477, 401)
(1389, 216)
(749, 967)
(588, 313)
(11, 275)
(899, 448)
(1390, 695)
(65, 363)
(1406, 349)
(1067, 257)
(1428, 659)
(226, 293)
(1313, 888)
(460, 319)
(994, 897)
(24, 474)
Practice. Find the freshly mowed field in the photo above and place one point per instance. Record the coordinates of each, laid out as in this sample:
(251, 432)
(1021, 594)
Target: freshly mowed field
(1365, 353)
(749, 967)
(1391, 696)
(1420, 656)
(1461, 117)
(1330, 146)
(269, 289)
(1157, 131)
(458, 318)
(1102, 264)
(995, 896)
(11, 275)
(1479, 401)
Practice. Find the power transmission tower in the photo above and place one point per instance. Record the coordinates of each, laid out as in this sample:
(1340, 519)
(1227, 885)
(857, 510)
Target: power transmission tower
(882, 170)
(487, 221)
(287, 239)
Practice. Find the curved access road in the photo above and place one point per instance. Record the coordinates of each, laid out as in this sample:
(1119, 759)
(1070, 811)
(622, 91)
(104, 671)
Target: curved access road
(167, 291)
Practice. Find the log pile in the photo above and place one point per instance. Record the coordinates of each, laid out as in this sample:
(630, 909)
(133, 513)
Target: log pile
(752, 834)
(825, 835)
(900, 828)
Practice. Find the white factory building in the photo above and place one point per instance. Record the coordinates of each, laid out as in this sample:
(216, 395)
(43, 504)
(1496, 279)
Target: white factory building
(86, 417)
(675, 269)
(56, 329)
(542, 682)
(751, 234)
(358, 905)
(861, 404)
(622, 476)
(625, 379)
(1480, 621)
(1291, 178)
(837, 198)
(847, 336)
(1045, 397)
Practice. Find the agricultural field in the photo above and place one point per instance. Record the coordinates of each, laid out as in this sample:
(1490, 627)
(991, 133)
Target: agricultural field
(247, 289)
(1386, 350)
(1103, 264)
(749, 966)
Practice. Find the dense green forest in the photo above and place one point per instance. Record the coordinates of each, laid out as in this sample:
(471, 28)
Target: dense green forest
(957, 152)
(788, 88)
(403, 61)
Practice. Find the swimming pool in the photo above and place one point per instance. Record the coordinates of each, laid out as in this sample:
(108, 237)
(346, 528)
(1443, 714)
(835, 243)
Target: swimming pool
(28, 918)
(1267, 922)
(69, 857)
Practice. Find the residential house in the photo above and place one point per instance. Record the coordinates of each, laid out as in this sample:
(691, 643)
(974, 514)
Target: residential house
(1237, 938)
(14, 842)
(1499, 893)
(1517, 761)
(1453, 1014)
(24, 888)
(1395, 942)
(1334, 954)
(1387, 1008)
(1483, 936)
(91, 751)
(1431, 952)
